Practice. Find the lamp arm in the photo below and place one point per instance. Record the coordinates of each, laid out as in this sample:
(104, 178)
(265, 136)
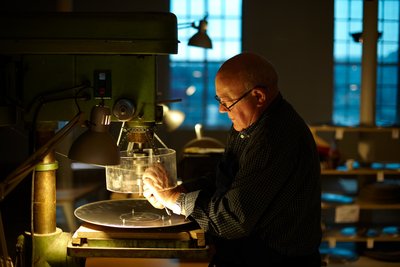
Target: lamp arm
(186, 25)
(14, 178)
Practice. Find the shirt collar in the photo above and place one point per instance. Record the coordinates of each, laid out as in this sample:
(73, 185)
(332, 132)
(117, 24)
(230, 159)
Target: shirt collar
(246, 133)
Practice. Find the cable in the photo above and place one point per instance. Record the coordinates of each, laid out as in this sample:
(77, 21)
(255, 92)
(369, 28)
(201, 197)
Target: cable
(49, 97)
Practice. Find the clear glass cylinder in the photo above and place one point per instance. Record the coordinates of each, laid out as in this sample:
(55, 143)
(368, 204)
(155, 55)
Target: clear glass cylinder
(127, 176)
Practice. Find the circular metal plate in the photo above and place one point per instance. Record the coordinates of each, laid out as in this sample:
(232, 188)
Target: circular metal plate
(127, 213)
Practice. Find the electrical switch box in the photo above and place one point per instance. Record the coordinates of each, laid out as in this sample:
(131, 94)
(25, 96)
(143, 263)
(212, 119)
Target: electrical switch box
(102, 84)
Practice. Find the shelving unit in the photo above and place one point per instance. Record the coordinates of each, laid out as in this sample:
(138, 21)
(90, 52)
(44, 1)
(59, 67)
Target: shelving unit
(344, 215)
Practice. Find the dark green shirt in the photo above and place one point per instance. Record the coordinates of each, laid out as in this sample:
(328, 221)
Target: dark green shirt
(267, 194)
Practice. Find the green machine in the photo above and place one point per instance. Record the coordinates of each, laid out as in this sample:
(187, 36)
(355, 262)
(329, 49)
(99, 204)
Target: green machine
(57, 65)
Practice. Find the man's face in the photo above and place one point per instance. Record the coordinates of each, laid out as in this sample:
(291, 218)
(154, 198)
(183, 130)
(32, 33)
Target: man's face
(238, 103)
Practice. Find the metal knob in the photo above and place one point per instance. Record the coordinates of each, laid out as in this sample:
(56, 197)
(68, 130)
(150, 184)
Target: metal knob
(124, 110)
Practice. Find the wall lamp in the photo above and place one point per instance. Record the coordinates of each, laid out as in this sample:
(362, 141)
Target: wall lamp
(201, 38)
(358, 36)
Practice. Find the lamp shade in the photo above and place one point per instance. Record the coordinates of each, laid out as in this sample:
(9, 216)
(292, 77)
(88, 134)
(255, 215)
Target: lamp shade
(96, 145)
(201, 39)
(95, 148)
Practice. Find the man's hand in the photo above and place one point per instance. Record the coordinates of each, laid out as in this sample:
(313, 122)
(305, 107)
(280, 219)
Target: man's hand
(158, 176)
(155, 188)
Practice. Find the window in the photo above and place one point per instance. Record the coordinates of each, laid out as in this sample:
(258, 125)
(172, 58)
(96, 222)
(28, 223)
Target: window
(193, 69)
(347, 63)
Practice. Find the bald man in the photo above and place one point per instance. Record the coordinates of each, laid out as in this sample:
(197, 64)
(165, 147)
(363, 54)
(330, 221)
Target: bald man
(263, 207)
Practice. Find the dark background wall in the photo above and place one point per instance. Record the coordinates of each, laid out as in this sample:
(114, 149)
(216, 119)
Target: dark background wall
(297, 37)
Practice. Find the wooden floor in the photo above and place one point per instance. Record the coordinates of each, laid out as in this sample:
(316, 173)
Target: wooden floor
(364, 262)
(97, 262)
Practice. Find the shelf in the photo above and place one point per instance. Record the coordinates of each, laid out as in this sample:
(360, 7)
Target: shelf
(342, 238)
(380, 174)
(332, 239)
(340, 130)
(362, 205)
(359, 172)
(361, 234)
(328, 128)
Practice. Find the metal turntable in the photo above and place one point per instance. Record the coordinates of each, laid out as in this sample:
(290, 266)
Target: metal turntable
(127, 213)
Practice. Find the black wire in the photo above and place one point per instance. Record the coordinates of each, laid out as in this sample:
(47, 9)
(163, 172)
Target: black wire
(44, 98)
(77, 96)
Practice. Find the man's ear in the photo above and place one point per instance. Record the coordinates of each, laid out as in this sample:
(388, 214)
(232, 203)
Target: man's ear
(260, 95)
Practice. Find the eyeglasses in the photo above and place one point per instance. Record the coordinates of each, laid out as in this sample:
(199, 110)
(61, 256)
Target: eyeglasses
(235, 100)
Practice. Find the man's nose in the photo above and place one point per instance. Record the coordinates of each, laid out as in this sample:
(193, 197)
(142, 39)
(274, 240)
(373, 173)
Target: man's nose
(222, 108)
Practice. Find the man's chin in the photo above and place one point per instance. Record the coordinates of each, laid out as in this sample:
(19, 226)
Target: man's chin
(237, 128)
